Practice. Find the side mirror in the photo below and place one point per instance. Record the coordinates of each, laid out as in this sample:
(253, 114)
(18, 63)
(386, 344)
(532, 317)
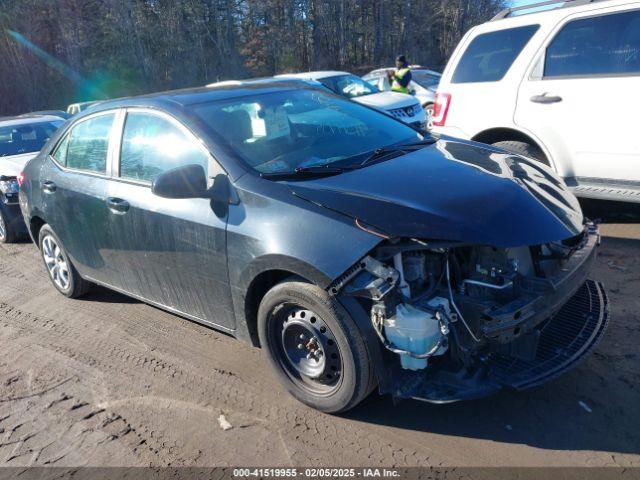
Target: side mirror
(189, 181)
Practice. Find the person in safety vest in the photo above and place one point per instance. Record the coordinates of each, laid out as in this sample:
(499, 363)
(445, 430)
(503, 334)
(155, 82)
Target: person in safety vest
(401, 78)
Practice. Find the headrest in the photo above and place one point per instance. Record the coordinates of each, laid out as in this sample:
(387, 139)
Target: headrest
(237, 125)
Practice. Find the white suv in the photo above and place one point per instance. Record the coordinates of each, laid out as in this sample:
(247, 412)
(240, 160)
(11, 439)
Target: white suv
(560, 85)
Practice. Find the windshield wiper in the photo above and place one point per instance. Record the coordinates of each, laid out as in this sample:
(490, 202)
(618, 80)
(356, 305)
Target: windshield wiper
(419, 144)
(384, 152)
(307, 172)
(394, 151)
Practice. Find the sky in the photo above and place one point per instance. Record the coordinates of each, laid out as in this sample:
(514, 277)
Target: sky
(519, 3)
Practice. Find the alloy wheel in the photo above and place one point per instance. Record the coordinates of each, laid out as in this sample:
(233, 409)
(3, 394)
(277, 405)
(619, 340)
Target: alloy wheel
(3, 228)
(56, 262)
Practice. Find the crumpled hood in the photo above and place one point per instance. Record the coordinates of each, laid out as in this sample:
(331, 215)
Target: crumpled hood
(387, 100)
(454, 191)
(13, 165)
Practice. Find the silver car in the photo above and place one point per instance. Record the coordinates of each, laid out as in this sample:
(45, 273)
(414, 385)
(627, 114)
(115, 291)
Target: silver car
(423, 86)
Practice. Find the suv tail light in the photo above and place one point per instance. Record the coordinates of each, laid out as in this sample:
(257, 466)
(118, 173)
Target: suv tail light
(21, 178)
(441, 109)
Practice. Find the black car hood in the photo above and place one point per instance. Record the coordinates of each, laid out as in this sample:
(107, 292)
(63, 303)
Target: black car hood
(454, 191)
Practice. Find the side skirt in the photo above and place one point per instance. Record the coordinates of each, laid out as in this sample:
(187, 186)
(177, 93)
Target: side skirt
(164, 307)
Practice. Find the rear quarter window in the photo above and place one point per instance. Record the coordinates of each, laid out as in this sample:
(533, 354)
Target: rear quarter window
(602, 45)
(490, 55)
(88, 144)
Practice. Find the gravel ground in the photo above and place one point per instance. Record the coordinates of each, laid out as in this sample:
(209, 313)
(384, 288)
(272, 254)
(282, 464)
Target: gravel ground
(110, 381)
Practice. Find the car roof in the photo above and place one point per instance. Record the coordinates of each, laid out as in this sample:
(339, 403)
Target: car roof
(81, 104)
(212, 92)
(26, 120)
(316, 75)
(546, 13)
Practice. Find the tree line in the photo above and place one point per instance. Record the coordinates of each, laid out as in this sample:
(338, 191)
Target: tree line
(55, 52)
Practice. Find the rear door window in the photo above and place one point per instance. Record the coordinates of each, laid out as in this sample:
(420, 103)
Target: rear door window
(152, 144)
(89, 143)
(490, 55)
(604, 45)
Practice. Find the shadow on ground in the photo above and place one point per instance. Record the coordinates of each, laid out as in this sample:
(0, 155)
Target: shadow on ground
(611, 212)
(104, 295)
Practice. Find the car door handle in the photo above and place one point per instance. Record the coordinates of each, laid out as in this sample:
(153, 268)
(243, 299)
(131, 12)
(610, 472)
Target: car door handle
(48, 186)
(117, 205)
(546, 98)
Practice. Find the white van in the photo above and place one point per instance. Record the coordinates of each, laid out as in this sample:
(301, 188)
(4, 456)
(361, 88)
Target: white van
(561, 84)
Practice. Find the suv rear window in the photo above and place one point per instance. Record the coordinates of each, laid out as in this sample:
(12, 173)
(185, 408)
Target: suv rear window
(604, 45)
(490, 55)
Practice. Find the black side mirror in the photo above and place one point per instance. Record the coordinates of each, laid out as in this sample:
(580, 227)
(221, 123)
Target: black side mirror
(189, 181)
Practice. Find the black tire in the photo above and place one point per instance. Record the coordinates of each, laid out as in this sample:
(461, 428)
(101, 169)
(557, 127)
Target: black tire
(354, 379)
(523, 148)
(7, 232)
(74, 286)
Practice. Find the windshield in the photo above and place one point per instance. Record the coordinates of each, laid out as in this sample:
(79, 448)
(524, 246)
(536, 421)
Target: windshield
(26, 137)
(287, 130)
(348, 86)
(426, 80)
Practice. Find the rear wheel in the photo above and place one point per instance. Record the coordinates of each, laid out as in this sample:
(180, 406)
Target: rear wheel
(62, 273)
(314, 347)
(7, 234)
(523, 148)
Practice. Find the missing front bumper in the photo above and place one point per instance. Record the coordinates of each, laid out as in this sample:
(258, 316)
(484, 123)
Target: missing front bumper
(565, 339)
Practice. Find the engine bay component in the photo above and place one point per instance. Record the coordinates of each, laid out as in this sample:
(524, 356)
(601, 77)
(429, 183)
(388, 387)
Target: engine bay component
(370, 278)
(446, 312)
(419, 332)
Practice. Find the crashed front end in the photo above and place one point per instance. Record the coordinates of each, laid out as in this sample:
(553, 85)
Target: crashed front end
(460, 321)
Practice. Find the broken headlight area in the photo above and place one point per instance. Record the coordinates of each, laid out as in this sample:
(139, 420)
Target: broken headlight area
(460, 321)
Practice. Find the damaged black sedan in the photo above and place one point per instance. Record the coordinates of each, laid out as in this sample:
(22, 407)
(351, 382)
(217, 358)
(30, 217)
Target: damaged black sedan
(357, 251)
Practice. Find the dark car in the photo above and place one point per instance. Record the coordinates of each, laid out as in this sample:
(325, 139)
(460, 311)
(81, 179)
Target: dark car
(356, 251)
(21, 138)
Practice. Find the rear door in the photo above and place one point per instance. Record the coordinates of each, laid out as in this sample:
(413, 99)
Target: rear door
(171, 252)
(581, 96)
(74, 183)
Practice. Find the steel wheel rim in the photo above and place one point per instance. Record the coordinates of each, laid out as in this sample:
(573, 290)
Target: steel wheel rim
(314, 362)
(3, 228)
(56, 262)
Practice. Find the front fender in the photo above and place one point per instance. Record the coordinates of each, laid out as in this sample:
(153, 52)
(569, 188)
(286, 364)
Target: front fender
(275, 231)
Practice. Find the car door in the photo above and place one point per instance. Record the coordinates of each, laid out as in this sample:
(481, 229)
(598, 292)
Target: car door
(171, 252)
(581, 98)
(74, 182)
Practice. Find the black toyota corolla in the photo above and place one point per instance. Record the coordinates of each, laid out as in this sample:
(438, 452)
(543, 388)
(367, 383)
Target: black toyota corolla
(356, 251)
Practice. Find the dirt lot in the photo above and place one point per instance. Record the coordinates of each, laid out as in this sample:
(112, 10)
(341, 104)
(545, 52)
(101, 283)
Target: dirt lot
(110, 381)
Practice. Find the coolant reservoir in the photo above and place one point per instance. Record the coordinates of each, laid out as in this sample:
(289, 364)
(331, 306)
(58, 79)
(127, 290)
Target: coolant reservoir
(416, 331)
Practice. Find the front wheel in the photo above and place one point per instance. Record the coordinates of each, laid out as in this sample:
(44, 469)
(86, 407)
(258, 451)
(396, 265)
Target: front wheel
(315, 347)
(62, 273)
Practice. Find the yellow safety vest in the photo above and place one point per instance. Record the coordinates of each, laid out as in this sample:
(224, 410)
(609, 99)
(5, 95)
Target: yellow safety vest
(395, 86)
